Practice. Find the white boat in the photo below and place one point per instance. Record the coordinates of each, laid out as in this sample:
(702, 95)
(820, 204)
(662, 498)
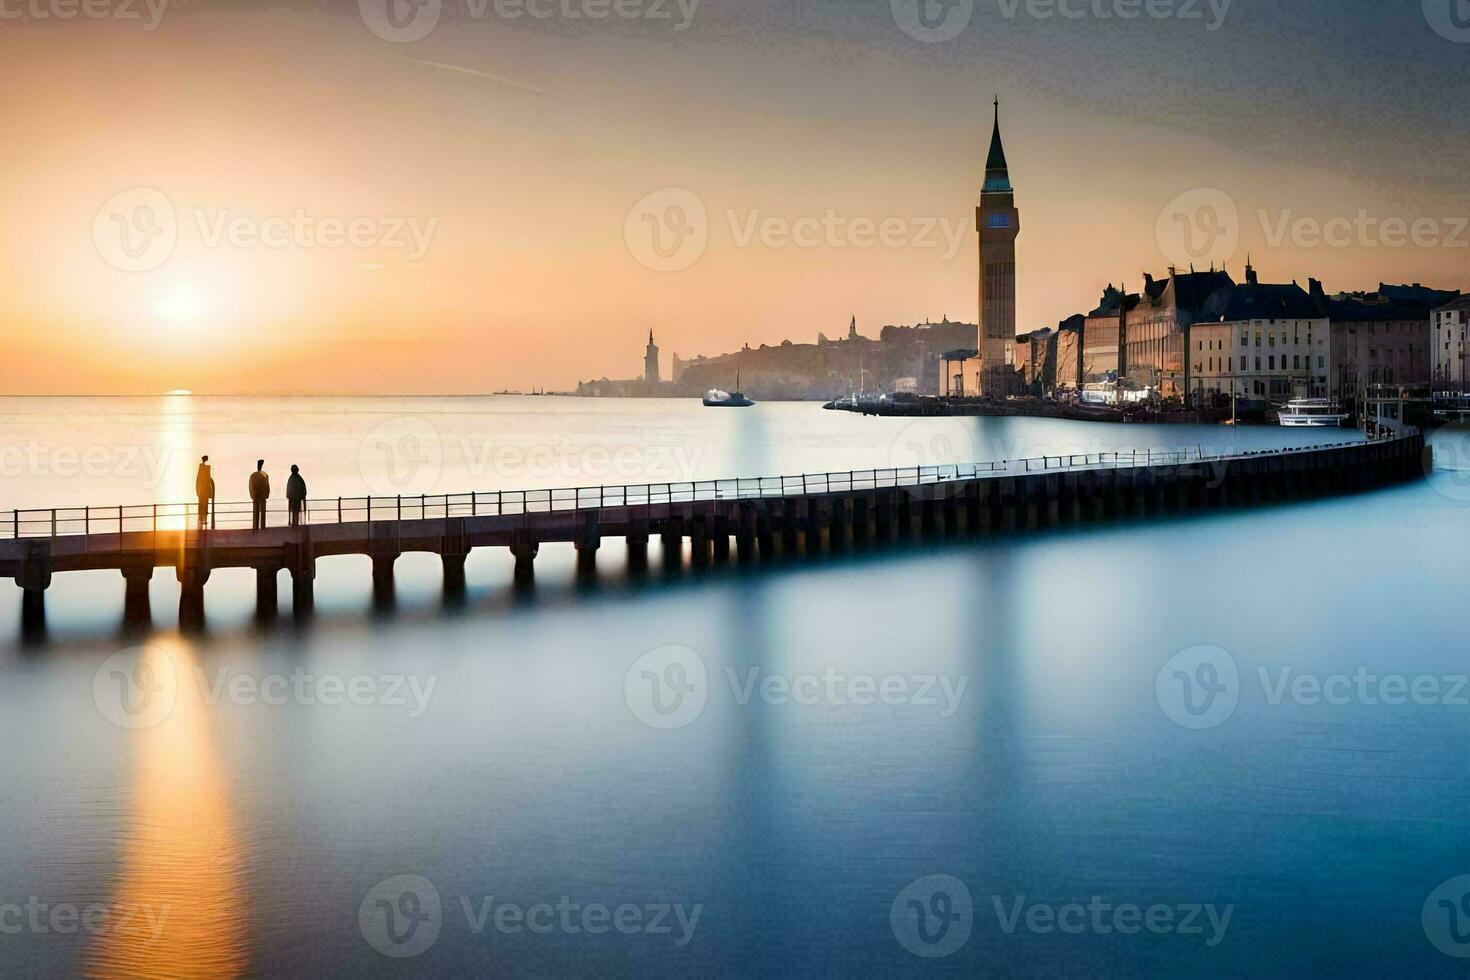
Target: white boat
(1312, 413)
(715, 398)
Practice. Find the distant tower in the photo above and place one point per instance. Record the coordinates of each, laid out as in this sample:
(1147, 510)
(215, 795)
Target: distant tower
(852, 333)
(998, 222)
(650, 361)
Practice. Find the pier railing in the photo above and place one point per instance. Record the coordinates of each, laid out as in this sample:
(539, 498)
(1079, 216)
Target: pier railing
(89, 520)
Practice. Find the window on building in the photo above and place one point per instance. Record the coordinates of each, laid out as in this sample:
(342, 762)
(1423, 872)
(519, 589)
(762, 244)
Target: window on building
(1273, 362)
(1258, 362)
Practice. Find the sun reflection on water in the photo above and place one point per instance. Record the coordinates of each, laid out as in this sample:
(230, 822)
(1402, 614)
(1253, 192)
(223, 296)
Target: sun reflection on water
(181, 855)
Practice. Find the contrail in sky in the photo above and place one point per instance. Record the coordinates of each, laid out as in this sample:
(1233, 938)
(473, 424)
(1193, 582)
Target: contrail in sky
(476, 73)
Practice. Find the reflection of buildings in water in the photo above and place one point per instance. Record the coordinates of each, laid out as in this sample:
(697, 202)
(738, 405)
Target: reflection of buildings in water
(180, 862)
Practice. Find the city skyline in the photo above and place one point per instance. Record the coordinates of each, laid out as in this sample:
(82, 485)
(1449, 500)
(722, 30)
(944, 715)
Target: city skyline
(313, 245)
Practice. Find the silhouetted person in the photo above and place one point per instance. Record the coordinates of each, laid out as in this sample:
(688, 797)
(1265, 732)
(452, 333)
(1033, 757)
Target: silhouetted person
(296, 494)
(204, 488)
(260, 492)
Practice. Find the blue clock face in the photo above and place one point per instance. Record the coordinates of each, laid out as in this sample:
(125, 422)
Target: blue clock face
(999, 221)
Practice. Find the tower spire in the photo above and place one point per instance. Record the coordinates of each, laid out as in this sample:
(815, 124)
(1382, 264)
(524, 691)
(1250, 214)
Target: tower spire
(997, 173)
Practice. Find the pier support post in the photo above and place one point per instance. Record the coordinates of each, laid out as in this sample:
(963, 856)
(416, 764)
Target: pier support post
(34, 579)
(524, 548)
(699, 543)
(454, 579)
(722, 538)
(301, 563)
(1007, 490)
(672, 540)
(454, 548)
(193, 573)
(384, 550)
(764, 535)
(267, 596)
(588, 539)
(137, 606)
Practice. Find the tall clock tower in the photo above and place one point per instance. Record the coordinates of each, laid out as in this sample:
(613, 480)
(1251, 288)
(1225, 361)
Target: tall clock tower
(998, 222)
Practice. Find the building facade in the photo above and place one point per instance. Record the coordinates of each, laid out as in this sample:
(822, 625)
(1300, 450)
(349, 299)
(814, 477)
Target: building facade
(1382, 337)
(1261, 343)
(1156, 330)
(650, 361)
(998, 223)
(1448, 324)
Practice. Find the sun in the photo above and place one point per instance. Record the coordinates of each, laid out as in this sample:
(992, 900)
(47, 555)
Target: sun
(180, 305)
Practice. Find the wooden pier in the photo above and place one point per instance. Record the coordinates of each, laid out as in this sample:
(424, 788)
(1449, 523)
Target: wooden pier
(748, 519)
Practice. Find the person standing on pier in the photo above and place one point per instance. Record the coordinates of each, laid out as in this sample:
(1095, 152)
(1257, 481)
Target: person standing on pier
(296, 494)
(204, 489)
(260, 492)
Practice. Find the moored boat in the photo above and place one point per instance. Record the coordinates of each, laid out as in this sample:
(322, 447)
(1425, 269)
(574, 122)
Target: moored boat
(1312, 413)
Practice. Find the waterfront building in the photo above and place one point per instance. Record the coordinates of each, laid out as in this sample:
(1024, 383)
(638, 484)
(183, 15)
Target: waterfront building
(962, 374)
(998, 223)
(1102, 338)
(1156, 329)
(830, 367)
(1449, 323)
(1260, 342)
(1382, 337)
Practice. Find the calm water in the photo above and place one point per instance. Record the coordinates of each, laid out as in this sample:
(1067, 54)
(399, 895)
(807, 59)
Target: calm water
(737, 771)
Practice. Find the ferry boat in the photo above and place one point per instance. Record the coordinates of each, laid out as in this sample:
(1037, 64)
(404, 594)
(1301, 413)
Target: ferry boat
(715, 398)
(1313, 413)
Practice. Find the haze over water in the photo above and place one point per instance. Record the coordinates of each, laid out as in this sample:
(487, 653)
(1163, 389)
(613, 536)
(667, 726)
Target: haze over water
(522, 765)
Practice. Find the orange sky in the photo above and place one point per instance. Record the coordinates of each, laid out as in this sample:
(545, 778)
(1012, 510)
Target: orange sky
(516, 151)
